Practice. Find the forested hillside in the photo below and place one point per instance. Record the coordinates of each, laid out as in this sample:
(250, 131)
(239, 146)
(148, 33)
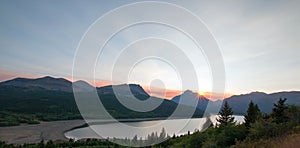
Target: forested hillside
(48, 99)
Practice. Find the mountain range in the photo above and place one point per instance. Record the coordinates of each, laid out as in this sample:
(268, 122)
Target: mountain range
(49, 98)
(239, 103)
(46, 83)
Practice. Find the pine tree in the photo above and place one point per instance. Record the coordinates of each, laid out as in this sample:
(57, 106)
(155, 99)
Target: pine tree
(279, 111)
(226, 117)
(163, 134)
(253, 114)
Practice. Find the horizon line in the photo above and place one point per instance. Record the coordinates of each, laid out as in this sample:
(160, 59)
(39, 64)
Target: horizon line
(169, 93)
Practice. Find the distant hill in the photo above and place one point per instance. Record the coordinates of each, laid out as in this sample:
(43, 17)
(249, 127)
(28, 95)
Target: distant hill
(46, 83)
(44, 99)
(135, 89)
(51, 98)
(239, 103)
(190, 98)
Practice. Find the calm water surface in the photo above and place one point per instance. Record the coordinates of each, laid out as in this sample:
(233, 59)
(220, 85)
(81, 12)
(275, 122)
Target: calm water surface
(142, 128)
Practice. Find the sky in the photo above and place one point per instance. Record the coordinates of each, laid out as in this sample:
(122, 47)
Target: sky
(258, 40)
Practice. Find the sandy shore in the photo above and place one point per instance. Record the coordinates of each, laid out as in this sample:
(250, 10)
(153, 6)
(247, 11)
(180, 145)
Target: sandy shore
(35, 133)
(53, 130)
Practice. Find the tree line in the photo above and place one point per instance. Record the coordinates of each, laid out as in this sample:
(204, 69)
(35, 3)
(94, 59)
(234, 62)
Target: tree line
(258, 130)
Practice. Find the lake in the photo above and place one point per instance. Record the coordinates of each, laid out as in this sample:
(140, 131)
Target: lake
(141, 128)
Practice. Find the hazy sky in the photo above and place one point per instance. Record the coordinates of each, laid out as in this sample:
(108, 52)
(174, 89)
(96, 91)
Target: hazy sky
(259, 41)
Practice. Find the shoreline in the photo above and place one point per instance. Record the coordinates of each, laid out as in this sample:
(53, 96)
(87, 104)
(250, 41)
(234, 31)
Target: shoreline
(54, 130)
(34, 133)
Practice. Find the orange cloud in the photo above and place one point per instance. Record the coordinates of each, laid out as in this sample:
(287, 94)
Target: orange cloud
(7, 75)
(161, 92)
(100, 83)
(169, 93)
(216, 96)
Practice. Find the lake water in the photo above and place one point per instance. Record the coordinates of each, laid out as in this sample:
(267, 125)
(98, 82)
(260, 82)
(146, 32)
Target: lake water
(142, 128)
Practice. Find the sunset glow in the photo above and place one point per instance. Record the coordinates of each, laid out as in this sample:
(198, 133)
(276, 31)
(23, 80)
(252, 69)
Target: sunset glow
(158, 73)
(153, 91)
(28, 49)
(201, 93)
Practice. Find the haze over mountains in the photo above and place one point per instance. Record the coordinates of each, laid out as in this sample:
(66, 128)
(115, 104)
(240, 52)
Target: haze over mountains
(55, 96)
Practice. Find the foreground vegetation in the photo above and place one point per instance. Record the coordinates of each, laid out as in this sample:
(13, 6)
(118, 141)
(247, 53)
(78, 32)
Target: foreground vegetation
(279, 128)
(259, 130)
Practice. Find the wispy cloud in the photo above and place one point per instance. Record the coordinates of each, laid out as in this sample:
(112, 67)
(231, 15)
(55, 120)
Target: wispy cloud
(259, 41)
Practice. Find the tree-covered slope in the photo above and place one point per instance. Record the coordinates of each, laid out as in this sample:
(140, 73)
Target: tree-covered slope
(49, 99)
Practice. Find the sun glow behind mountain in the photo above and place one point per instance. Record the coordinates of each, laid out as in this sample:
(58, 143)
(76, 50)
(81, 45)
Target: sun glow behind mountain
(167, 93)
(201, 93)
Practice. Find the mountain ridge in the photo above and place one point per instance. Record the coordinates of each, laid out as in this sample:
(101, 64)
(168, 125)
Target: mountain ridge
(47, 82)
(49, 99)
(21, 79)
(238, 103)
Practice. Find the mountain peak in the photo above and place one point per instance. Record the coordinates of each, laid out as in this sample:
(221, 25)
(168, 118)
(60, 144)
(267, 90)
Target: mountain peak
(81, 81)
(191, 98)
(82, 86)
(188, 91)
(47, 83)
(123, 88)
(257, 93)
(16, 79)
(137, 85)
(47, 77)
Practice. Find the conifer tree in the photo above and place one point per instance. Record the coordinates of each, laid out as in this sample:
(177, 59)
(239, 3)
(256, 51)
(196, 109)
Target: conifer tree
(225, 117)
(253, 114)
(279, 111)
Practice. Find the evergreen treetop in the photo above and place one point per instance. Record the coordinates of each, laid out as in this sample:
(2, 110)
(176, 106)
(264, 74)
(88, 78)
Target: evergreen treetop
(225, 117)
(252, 115)
(278, 113)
